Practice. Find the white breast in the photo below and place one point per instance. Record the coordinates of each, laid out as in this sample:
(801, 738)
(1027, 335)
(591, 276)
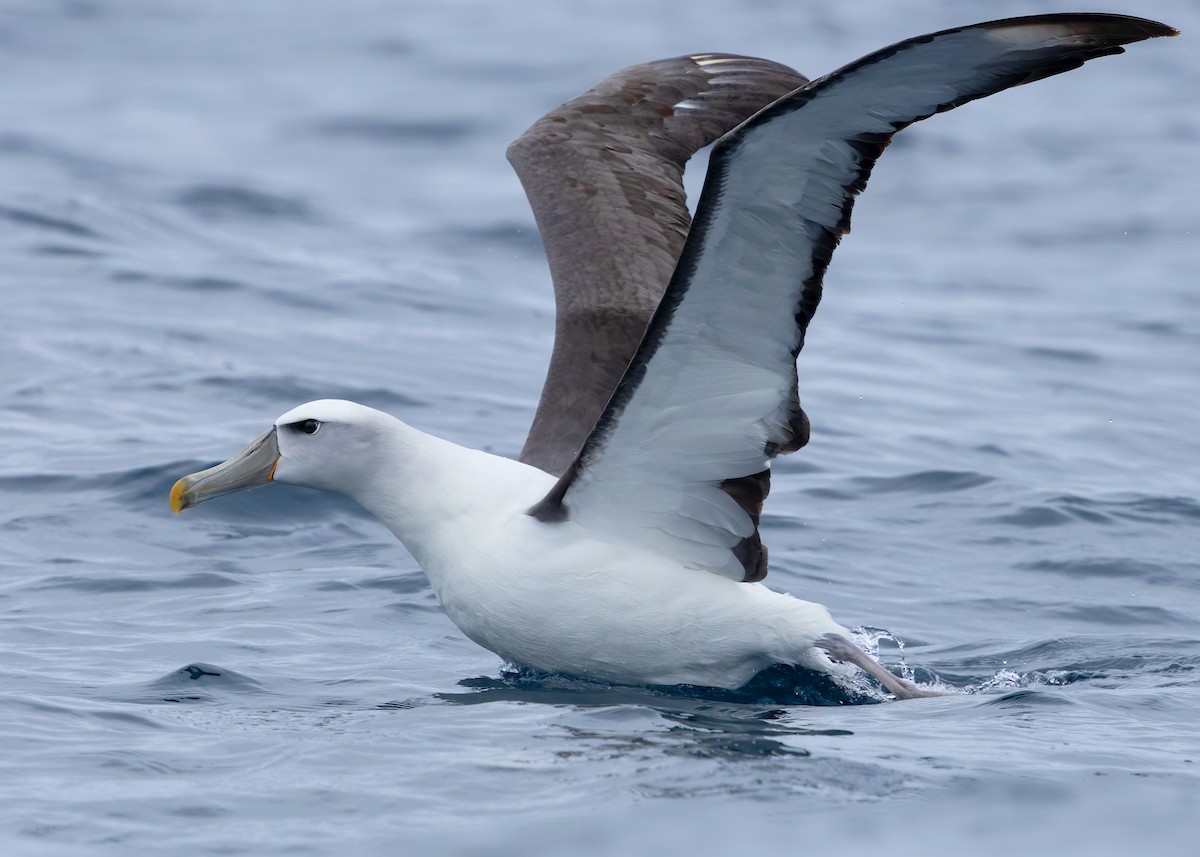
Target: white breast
(553, 597)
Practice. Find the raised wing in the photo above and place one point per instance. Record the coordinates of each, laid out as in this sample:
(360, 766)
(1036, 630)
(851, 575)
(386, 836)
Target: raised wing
(604, 176)
(711, 393)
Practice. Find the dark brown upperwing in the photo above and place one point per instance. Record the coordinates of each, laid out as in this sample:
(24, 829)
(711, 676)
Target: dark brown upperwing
(604, 176)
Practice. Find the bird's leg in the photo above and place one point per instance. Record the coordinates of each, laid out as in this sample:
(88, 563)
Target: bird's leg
(841, 649)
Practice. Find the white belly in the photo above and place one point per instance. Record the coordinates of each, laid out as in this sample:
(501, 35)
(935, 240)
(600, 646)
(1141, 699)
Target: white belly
(546, 596)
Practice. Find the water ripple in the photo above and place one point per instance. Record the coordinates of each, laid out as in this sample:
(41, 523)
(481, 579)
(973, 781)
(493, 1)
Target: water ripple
(923, 482)
(235, 202)
(1084, 568)
(196, 580)
(393, 131)
(45, 223)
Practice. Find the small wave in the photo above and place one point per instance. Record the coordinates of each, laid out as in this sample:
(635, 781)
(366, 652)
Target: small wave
(204, 284)
(1027, 698)
(132, 484)
(45, 223)
(1163, 510)
(923, 482)
(67, 251)
(1070, 660)
(198, 580)
(290, 388)
(1157, 328)
(1070, 508)
(277, 393)
(147, 489)
(378, 129)
(1085, 568)
(209, 674)
(392, 46)
(1124, 614)
(232, 202)
(195, 682)
(1033, 517)
(1067, 355)
(832, 494)
(397, 584)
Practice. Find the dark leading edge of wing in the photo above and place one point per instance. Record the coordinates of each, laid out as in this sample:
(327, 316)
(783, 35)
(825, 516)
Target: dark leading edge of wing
(711, 394)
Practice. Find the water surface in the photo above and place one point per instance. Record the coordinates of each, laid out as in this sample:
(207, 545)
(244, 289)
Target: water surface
(212, 212)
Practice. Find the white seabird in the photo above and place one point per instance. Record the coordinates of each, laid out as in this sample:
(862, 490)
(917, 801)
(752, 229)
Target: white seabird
(624, 546)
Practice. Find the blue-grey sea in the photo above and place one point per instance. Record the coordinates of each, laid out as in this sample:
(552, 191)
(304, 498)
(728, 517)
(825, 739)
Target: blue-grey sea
(213, 211)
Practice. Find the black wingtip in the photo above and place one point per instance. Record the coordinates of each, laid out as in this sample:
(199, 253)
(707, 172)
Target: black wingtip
(1153, 29)
(1078, 38)
(1112, 29)
(1127, 28)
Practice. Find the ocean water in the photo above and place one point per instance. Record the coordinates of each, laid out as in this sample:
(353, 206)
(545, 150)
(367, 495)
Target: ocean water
(211, 212)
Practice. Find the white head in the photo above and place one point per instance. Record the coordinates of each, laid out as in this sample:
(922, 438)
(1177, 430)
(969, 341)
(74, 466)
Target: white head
(330, 444)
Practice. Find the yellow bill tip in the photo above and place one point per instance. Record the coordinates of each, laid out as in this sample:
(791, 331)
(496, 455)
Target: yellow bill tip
(178, 490)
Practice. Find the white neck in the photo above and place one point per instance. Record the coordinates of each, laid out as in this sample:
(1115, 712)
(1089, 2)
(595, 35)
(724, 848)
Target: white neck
(430, 486)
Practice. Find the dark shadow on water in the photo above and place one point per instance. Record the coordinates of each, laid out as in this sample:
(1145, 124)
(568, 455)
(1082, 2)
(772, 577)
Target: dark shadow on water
(777, 686)
(753, 722)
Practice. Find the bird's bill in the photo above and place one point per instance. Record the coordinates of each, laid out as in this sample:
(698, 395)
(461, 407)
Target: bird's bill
(250, 468)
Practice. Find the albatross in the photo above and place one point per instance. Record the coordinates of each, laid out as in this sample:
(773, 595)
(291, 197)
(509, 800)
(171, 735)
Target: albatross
(624, 544)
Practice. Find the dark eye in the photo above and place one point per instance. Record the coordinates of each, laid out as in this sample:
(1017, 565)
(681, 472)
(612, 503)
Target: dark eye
(308, 426)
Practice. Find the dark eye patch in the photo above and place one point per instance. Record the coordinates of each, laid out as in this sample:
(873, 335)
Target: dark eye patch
(306, 426)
